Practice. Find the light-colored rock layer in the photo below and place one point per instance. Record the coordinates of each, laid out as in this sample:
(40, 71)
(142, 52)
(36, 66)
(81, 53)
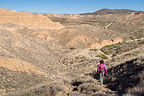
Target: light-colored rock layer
(29, 20)
(19, 65)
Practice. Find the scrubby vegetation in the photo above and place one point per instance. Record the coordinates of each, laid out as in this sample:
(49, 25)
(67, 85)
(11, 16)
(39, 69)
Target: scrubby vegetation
(72, 48)
(94, 49)
(102, 56)
(80, 58)
(119, 48)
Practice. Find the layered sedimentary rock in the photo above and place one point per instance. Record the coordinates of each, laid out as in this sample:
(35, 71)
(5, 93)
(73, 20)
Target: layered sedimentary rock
(29, 20)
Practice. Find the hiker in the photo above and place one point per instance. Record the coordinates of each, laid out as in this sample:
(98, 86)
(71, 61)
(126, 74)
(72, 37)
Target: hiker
(101, 69)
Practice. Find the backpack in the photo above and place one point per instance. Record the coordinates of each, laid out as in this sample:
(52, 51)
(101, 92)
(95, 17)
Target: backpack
(102, 69)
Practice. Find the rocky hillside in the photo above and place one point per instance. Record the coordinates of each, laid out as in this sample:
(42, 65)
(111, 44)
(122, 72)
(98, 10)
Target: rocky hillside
(110, 11)
(57, 55)
(76, 76)
(28, 20)
(127, 77)
(100, 29)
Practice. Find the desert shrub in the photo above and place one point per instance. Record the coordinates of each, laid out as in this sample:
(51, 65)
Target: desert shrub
(94, 49)
(77, 57)
(83, 58)
(112, 45)
(102, 56)
(80, 58)
(106, 46)
(71, 48)
(107, 52)
(132, 38)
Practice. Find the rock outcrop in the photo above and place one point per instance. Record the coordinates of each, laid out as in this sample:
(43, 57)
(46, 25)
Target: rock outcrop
(29, 20)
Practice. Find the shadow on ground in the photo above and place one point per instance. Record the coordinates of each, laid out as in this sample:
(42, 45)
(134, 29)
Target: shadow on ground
(125, 78)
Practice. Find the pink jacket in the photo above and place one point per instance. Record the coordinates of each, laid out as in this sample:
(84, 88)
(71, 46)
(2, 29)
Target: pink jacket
(104, 68)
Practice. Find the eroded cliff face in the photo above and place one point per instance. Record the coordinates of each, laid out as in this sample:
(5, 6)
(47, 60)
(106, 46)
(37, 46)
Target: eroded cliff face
(29, 20)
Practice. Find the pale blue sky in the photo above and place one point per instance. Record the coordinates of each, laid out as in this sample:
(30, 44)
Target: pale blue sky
(70, 6)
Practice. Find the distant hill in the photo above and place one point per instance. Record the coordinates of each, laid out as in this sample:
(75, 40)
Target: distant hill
(5, 10)
(110, 11)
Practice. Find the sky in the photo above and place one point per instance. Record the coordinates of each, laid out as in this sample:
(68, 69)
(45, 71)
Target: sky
(70, 6)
